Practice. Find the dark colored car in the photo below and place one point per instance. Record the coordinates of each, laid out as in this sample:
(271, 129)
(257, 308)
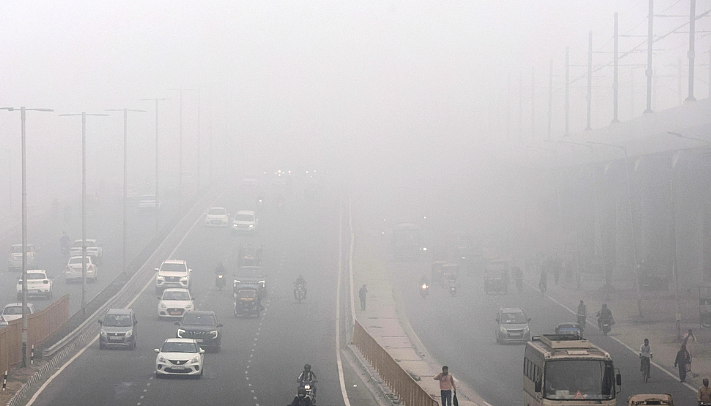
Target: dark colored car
(118, 329)
(203, 327)
(569, 329)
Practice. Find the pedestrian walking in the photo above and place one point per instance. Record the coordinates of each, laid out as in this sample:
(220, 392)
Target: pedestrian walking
(446, 385)
(543, 282)
(361, 294)
(704, 395)
(681, 361)
(689, 340)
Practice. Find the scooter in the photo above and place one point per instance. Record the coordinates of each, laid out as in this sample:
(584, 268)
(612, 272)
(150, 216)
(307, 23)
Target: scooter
(453, 289)
(299, 292)
(605, 326)
(220, 281)
(424, 290)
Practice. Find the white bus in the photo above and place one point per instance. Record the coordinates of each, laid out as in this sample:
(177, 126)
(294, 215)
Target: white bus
(568, 370)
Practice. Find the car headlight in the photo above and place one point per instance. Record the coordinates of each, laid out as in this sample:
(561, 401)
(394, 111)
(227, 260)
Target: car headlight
(103, 333)
(129, 333)
(162, 305)
(307, 386)
(161, 358)
(251, 226)
(188, 306)
(183, 278)
(526, 330)
(214, 334)
(502, 329)
(180, 333)
(160, 278)
(195, 360)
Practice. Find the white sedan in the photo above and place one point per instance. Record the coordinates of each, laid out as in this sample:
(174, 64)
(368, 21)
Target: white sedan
(174, 303)
(179, 356)
(217, 216)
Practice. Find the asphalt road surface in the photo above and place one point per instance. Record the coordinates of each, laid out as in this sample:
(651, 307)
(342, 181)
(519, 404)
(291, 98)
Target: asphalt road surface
(261, 357)
(459, 331)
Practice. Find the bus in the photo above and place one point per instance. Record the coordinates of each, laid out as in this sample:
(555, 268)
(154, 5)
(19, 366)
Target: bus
(568, 370)
(406, 241)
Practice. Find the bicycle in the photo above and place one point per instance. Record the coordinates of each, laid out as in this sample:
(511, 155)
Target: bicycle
(645, 367)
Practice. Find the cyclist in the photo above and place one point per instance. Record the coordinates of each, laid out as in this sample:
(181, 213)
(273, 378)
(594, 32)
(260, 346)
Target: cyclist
(645, 356)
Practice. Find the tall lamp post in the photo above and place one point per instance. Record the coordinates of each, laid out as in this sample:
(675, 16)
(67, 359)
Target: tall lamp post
(125, 175)
(83, 115)
(634, 229)
(9, 179)
(24, 227)
(157, 206)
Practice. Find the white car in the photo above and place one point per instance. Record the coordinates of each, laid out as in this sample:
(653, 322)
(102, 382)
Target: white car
(13, 311)
(38, 284)
(93, 249)
(174, 303)
(148, 202)
(179, 356)
(173, 273)
(14, 259)
(73, 271)
(217, 216)
(245, 221)
(249, 179)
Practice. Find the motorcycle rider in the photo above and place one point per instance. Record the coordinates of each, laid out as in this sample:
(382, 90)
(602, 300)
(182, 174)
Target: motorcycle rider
(518, 277)
(603, 315)
(307, 376)
(300, 281)
(220, 271)
(65, 242)
(582, 314)
(300, 399)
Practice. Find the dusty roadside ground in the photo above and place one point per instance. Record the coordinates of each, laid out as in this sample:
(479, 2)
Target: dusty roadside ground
(16, 377)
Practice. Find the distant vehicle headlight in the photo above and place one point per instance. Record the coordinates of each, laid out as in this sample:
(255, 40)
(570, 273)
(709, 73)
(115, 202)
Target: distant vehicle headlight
(103, 333)
(180, 333)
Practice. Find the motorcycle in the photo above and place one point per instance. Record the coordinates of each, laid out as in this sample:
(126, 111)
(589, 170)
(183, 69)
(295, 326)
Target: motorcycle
(605, 325)
(310, 389)
(424, 290)
(452, 289)
(220, 281)
(300, 292)
(260, 202)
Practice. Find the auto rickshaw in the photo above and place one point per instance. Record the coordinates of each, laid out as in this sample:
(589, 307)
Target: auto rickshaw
(449, 274)
(436, 278)
(650, 399)
(247, 302)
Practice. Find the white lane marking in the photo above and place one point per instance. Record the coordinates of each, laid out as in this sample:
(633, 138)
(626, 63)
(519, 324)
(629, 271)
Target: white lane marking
(338, 313)
(150, 281)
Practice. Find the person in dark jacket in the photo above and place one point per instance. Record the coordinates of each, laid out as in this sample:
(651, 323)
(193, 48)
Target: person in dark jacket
(682, 360)
(362, 294)
(300, 399)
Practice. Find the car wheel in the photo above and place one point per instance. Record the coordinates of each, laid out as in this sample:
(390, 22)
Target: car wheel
(158, 376)
(133, 346)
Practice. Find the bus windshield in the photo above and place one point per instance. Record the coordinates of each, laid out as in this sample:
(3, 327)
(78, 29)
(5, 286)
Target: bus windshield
(579, 379)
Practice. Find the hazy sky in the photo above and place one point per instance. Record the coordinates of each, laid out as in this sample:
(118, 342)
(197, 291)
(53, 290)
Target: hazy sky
(393, 85)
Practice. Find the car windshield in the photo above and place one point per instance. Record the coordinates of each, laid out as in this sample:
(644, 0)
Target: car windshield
(513, 318)
(14, 310)
(199, 319)
(216, 212)
(576, 379)
(18, 248)
(244, 217)
(117, 320)
(250, 273)
(173, 268)
(246, 293)
(77, 260)
(34, 275)
(179, 347)
(176, 295)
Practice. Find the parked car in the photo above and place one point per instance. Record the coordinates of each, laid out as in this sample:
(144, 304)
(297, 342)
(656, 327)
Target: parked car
(118, 329)
(179, 356)
(13, 311)
(512, 326)
(245, 221)
(74, 270)
(14, 259)
(201, 326)
(173, 273)
(38, 284)
(217, 216)
(93, 249)
(174, 303)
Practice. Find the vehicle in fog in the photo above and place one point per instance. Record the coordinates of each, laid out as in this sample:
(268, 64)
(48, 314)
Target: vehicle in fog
(247, 302)
(406, 241)
(249, 255)
(13, 311)
(217, 216)
(93, 249)
(512, 326)
(561, 368)
(38, 285)
(179, 356)
(173, 273)
(118, 329)
(14, 260)
(568, 328)
(496, 277)
(74, 269)
(245, 221)
(201, 326)
(147, 202)
(174, 303)
(250, 180)
(251, 275)
(644, 399)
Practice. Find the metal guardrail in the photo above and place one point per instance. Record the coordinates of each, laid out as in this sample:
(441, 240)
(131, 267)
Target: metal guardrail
(401, 383)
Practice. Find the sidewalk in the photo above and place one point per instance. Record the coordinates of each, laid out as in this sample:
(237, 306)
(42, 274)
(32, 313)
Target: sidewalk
(387, 323)
(657, 322)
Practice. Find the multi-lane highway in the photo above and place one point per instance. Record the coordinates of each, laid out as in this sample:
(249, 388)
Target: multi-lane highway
(260, 357)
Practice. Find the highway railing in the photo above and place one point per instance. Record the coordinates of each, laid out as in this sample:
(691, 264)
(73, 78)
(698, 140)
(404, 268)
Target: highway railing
(399, 381)
(40, 326)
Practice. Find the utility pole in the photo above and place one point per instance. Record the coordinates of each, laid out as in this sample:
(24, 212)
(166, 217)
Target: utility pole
(692, 48)
(520, 108)
(125, 178)
(567, 91)
(550, 98)
(198, 142)
(83, 115)
(533, 104)
(678, 82)
(157, 205)
(209, 127)
(650, 43)
(508, 108)
(589, 95)
(615, 80)
(23, 116)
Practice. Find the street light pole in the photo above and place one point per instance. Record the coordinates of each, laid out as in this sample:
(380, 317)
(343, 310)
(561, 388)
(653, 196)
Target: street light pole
(9, 179)
(83, 115)
(125, 176)
(157, 205)
(634, 232)
(23, 115)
